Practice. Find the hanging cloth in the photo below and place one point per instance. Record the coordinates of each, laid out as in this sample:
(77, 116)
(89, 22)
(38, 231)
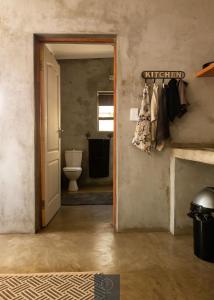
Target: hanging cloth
(162, 122)
(142, 136)
(183, 99)
(154, 112)
(173, 99)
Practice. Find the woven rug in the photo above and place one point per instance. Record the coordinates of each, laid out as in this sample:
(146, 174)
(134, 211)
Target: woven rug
(54, 286)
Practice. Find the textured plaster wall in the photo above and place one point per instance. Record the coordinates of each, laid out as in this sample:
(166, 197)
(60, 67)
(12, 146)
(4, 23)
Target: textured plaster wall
(151, 35)
(80, 81)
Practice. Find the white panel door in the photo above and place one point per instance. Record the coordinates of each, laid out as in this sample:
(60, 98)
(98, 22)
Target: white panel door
(52, 145)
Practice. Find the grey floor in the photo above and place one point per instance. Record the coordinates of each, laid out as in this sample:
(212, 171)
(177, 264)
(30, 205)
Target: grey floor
(152, 266)
(89, 195)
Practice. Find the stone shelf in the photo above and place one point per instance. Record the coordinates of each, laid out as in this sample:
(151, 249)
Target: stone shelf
(204, 155)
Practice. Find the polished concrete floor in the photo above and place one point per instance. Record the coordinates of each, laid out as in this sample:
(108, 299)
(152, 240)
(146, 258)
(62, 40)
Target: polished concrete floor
(154, 266)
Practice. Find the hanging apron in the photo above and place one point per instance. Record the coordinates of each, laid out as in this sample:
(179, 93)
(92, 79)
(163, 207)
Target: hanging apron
(142, 135)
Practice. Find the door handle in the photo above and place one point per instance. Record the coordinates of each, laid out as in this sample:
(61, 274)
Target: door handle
(60, 131)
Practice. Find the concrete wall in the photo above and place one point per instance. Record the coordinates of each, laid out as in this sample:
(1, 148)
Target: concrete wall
(151, 35)
(80, 81)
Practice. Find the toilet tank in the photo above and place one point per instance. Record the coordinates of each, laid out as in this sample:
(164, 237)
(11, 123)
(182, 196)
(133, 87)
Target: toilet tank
(73, 158)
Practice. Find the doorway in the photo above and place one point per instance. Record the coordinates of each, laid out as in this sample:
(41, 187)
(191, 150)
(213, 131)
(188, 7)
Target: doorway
(44, 173)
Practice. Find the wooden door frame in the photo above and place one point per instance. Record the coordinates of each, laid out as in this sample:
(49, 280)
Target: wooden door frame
(39, 41)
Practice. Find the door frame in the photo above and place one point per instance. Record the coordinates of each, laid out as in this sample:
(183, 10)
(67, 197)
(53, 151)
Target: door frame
(39, 41)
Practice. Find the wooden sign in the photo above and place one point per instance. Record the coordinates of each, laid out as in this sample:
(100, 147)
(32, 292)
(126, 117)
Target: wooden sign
(163, 74)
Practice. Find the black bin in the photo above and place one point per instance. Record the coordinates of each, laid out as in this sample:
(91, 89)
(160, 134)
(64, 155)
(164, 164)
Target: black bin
(202, 212)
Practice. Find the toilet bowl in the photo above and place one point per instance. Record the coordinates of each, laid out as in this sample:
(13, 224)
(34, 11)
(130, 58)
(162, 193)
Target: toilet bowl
(73, 170)
(72, 173)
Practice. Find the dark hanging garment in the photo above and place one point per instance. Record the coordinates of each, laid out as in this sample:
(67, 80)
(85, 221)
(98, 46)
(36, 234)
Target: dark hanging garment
(162, 133)
(173, 100)
(183, 99)
(99, 157)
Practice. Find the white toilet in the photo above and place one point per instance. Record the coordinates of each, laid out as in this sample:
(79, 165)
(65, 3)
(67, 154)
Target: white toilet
(73, 170)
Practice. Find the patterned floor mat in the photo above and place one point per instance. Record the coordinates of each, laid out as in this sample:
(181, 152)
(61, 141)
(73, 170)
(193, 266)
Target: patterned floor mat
(54, 286)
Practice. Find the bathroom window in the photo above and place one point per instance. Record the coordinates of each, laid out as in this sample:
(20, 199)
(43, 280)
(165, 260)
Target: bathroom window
(105, 111)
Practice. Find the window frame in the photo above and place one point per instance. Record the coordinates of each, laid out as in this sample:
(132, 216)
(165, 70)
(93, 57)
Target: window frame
(104, 118)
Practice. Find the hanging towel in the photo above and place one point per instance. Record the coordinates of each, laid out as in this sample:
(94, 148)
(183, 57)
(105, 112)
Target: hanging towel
(162, 122)
(154, 112)
(173, 99)
(142, 136)
(99, 157)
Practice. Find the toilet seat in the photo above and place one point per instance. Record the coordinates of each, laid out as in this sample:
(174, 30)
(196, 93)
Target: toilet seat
(72, 169)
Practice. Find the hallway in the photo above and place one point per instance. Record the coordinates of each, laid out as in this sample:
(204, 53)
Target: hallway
(154, 266)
